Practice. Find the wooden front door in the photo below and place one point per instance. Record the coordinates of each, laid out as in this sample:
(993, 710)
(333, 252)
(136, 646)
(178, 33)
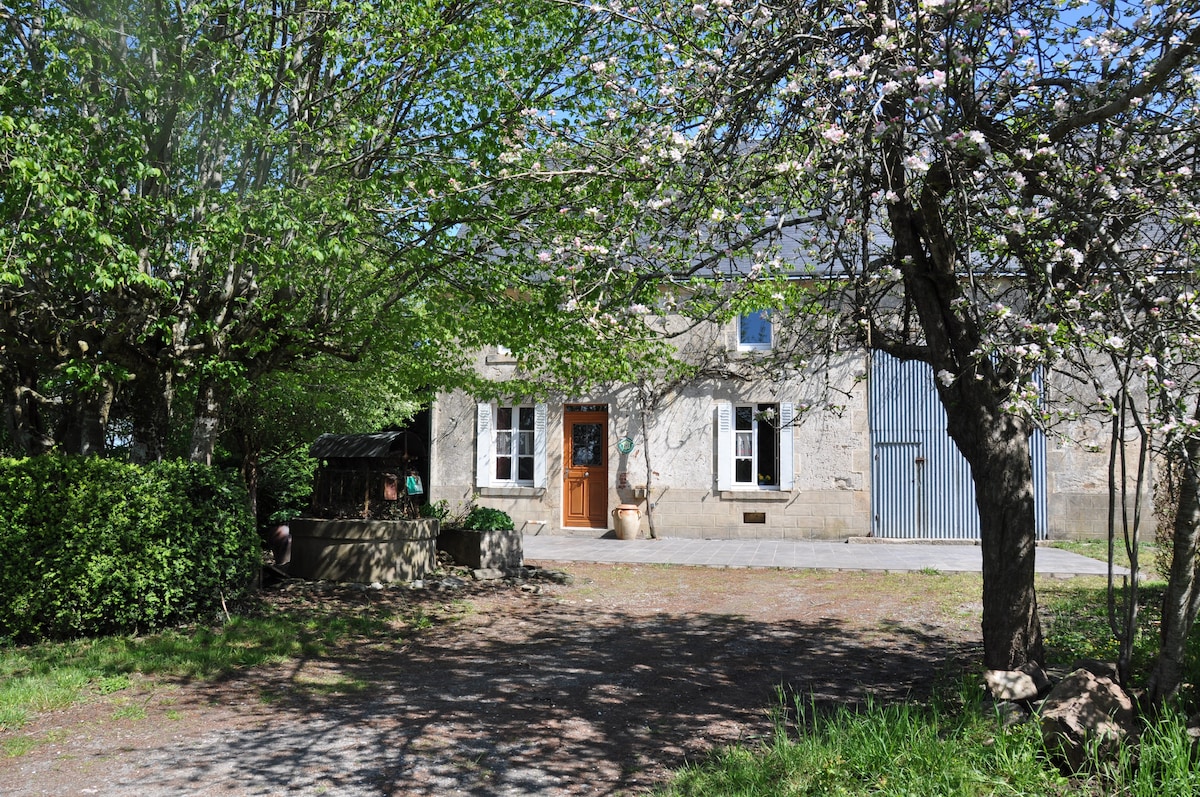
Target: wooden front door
(585, 466)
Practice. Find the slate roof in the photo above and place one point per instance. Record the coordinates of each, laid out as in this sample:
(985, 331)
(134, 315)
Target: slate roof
(355, 446)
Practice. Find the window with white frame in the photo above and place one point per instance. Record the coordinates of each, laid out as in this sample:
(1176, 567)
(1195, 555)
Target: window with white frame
(754, 446)
(511, 445)
(754, 330)
(514, 445)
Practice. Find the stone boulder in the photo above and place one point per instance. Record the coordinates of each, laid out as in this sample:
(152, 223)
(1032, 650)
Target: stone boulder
(1085, 711)
(1101, 669)
(1016, 686)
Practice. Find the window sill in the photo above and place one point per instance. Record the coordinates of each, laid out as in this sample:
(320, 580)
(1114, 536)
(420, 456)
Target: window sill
(512, 492)
(749, 355)
(754, 494)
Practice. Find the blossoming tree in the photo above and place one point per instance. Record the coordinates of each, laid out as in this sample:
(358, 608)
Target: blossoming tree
(950, 178)
(1137, 337)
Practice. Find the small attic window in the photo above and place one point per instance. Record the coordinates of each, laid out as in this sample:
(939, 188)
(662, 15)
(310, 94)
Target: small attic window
(754, 331)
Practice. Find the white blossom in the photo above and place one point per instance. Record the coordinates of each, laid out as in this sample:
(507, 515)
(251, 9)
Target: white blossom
(916, 164)
(934, 81)
(834, 134)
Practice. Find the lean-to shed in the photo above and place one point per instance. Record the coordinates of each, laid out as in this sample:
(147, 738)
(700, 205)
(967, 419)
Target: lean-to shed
(380, 475)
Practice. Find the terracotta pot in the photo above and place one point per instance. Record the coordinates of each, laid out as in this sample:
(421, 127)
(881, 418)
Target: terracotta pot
(627, 519)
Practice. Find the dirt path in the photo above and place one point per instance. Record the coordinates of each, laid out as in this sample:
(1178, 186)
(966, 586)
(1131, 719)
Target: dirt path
(597, 687)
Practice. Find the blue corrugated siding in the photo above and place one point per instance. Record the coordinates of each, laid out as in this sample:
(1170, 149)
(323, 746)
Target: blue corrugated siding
(921, 484)
(1037, 446)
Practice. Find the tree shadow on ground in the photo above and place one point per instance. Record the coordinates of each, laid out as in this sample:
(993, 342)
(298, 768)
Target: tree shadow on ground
(550, 698)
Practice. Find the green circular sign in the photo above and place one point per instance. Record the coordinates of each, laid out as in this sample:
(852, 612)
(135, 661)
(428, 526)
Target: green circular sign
(625, 445)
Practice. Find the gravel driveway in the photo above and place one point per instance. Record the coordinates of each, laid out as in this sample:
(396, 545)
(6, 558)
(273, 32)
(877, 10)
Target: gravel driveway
(598, 687)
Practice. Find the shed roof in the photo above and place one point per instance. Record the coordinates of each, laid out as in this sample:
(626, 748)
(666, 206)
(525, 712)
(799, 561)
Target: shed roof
(356, 446)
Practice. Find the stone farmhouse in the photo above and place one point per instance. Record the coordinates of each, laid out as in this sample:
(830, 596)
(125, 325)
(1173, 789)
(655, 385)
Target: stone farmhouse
(768, 457)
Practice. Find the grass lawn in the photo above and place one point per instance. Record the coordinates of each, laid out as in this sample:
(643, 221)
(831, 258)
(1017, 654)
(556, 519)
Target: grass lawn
(957, 744)
(53, 675)
(1098, 549)
(953, 746)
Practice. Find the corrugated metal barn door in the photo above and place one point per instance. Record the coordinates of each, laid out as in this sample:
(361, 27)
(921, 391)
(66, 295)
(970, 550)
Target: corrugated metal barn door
(920, 484)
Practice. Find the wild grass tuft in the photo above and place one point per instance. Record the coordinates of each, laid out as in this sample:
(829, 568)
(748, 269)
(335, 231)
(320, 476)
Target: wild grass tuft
(1166, 762)
(951, 747)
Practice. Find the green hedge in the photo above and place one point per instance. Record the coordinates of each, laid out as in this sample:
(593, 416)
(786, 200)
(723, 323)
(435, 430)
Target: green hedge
(92, 546)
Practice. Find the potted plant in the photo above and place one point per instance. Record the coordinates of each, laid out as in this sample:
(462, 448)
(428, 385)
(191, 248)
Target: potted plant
(484, 518)
(486, 539)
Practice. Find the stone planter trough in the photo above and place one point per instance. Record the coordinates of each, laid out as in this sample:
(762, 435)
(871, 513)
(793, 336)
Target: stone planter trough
(483, 550)
(364, 551)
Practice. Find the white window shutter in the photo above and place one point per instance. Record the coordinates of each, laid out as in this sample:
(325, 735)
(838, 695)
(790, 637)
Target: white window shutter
(483, 445)
(539, 445)
(787, 467)
(724, 446)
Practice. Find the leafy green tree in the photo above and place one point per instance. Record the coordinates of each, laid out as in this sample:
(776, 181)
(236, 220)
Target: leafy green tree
(196, 196)
(269, 428)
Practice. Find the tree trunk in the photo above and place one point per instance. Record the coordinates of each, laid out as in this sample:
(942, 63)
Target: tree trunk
(995, 443)
(250, 473)
(645, 409)
(997, 447)
(84, 428)
(206, 427)
(151, 403)
(23, 416)
(93, 420)
(1182, 599)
